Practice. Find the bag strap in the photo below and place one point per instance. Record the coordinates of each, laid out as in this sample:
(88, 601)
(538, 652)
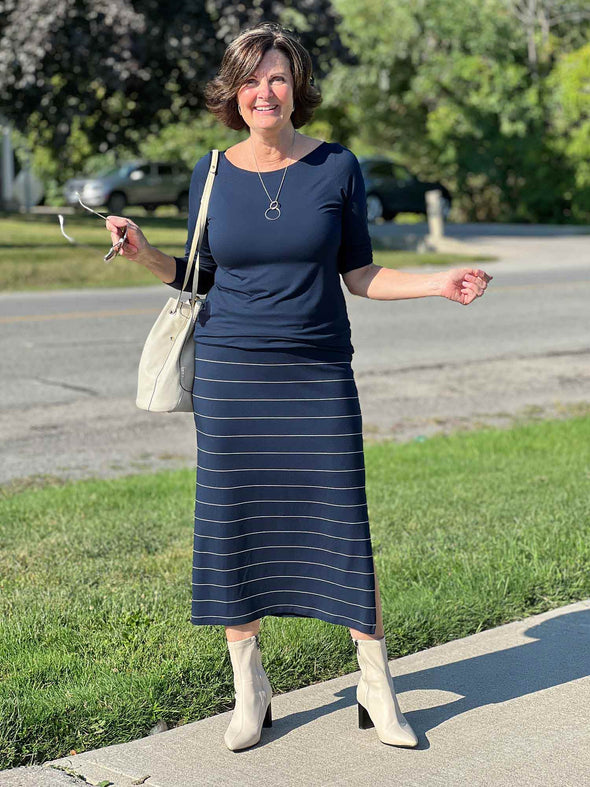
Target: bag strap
(199, 231)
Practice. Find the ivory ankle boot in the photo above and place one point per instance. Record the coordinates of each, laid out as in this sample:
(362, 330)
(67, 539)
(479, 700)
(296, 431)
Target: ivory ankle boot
(253, 694)
(376, 700)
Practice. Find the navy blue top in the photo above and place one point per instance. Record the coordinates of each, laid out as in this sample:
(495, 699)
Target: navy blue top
(276, 283)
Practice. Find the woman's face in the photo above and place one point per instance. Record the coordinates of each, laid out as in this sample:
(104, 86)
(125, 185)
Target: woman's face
(266, 97)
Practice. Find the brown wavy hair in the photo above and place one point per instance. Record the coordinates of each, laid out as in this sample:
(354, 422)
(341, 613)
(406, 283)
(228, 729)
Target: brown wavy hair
(241, 59)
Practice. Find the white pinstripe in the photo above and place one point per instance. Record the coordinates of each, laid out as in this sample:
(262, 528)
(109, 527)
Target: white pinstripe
(282, 486)
(274, 382)
(282, 502)
(300, 399)
(274, 562)
(283, 576)
(301, 363)
(281, 453)
(272, 532)
(344, 434)
(266, 593)
(274, 417)
(278, 470)
(283, 606)
(281, 516)
(274, 546)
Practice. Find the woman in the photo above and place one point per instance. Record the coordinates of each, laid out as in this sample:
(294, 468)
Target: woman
(281, 522)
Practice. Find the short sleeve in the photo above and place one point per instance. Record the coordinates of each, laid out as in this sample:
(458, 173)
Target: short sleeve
(355, 247)
(207, 265)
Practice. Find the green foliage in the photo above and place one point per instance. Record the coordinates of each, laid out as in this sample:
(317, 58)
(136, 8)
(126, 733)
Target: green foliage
(488, 131)
(569, 86)
(77, 154)
(450, 91)
(80, 79)
(488, 96)
(188, 140)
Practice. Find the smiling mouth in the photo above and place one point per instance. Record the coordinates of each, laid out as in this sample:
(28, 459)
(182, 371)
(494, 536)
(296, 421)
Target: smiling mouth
(266, 109)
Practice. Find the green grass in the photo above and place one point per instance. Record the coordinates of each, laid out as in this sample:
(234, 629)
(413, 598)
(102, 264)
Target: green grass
(35, 256)
(469, 531)
(404, 259)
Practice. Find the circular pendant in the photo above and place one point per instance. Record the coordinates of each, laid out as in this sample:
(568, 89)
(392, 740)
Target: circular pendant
(272, 209)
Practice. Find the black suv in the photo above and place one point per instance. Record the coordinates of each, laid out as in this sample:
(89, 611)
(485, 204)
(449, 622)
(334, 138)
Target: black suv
(392, 189)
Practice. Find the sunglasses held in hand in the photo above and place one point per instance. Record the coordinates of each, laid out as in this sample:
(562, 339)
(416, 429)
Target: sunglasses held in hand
(115, 248)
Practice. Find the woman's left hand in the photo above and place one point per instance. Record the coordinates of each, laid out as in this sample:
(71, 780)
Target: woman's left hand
(464, 285)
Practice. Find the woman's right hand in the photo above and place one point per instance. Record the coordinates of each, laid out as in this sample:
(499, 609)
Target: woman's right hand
(136, 244)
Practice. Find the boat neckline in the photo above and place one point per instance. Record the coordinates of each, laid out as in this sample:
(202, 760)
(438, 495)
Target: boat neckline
(270, 171)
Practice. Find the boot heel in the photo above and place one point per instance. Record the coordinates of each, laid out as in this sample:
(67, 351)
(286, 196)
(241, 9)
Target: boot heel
(365, 722)
(268, 717)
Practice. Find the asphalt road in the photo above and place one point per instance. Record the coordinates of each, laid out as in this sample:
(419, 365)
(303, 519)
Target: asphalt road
(69, 362)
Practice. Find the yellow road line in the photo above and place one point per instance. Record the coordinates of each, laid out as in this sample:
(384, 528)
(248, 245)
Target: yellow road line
(130, 312)
(75, 315)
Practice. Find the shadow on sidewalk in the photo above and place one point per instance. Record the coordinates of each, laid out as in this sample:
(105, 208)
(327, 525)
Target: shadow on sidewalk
(558, 653)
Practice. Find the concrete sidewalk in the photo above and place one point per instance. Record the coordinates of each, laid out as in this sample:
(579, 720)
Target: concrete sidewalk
(505, 707)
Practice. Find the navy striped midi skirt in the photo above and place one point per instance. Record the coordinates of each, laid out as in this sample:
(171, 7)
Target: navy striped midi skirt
(281, 524)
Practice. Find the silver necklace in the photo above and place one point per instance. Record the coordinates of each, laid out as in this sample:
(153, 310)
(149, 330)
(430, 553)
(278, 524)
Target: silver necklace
(274, 206)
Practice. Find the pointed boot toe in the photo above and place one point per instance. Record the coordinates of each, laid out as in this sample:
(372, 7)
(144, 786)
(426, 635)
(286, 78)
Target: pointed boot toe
(376, 698)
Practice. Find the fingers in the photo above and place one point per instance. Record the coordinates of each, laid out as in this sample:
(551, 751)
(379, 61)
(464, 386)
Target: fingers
(467, 296)
(477, 275)
(114, 222)
(468, 292)
(116, 225)
(468, 288)
(476, 281)
(128, 248)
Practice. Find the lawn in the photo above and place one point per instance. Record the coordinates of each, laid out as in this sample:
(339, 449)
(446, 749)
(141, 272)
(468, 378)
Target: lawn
(469, 531)
(34, 255)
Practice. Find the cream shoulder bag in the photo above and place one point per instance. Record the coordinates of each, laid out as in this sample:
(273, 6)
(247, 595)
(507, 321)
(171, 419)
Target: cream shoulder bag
(167, 364)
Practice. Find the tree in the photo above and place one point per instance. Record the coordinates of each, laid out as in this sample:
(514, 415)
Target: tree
(539, 17)
(569, 85)
(110, 71)
(448, 90)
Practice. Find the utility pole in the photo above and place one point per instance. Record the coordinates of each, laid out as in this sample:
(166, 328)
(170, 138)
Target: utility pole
(7, 177)
(436, 224)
